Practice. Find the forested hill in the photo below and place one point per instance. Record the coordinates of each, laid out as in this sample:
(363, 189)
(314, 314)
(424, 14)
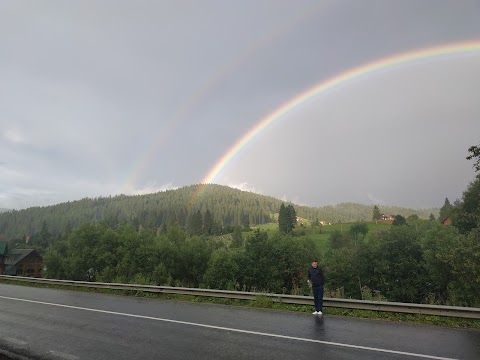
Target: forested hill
(228, 206)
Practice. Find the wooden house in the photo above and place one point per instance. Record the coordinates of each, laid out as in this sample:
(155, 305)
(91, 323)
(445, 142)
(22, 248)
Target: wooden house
(24, 262)
(3, 256)
(447, 221)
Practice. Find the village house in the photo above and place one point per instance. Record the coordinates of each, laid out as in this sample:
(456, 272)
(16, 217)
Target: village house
(3, 255)
(24, 262)
(447, 221)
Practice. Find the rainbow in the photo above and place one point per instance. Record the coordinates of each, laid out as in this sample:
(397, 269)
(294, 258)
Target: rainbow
(461, 48)
(174, 121)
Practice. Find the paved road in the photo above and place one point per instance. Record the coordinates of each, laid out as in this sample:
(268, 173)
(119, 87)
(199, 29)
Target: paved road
(56, 324)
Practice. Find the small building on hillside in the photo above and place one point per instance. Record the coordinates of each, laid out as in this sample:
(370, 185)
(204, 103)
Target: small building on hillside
(447, 221)
(3, 255)
(24, 262)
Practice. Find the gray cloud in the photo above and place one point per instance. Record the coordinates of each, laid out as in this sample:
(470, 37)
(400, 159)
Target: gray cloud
(109, 97)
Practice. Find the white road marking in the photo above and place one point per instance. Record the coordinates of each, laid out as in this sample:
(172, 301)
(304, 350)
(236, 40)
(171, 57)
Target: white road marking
(236, 330)
(63, 355)
(16, 341)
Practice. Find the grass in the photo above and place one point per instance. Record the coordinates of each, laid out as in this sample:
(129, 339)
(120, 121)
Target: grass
(267, 303)
(263, 227)
(321, 234)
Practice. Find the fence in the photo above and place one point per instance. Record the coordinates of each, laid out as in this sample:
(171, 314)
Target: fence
(439, 310)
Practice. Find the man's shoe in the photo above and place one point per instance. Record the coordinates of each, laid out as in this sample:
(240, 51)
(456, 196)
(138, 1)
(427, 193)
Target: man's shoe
(319, 313)
(315, 313)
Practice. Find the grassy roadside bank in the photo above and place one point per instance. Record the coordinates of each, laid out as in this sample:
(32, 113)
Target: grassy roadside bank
(267, 303)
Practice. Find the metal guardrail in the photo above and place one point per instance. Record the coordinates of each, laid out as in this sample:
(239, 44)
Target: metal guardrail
(439, 310)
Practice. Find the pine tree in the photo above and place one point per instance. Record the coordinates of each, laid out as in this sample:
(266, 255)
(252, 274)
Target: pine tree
(44, 236)
(446, 210)
(287, 218)
(207, 223)
(237, 239)
(283, 219)
(195, 223)
(292, 218)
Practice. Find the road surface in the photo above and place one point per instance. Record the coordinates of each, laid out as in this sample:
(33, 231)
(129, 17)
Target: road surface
(59, 324)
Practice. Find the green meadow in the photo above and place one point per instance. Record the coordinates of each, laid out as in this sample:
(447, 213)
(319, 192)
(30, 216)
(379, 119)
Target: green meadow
(321, 234)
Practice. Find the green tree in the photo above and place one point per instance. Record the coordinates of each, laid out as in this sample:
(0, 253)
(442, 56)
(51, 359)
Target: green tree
(283, 219)
(445, 211)
(217, 229)
(176, 235)
(291, 217)
(368, 266)
(163, 229)
(68, 230)
(431, 217)
(44, 237)
(161, 275)
(222, 271)
(54, 263)
(358, 231)
(287, 218)
(290, 259)
(475, 154)
(343, 274)
(207, 223)
(464, 289)
(399, 262)
(194, 260)
(399, 221)
(260, 265)
(376, 213)
(466, 214)
(237, 239)
(195, 223)
(340, 240)
(412, 218)
(438, 244)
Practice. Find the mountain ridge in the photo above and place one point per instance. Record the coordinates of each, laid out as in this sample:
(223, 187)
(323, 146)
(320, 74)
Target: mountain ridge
(229, 206)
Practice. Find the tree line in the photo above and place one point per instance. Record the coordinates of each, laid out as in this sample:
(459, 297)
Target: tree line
(124, 254)
(228, 207)
(421, 261)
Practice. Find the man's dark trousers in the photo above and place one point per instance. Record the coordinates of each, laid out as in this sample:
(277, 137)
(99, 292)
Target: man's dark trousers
(318, 297)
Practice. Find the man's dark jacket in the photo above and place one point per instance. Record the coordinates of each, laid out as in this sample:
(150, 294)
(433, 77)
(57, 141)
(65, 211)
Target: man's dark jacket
(315, 275)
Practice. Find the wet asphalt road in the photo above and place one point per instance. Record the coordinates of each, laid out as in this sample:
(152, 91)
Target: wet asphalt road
(98, 326)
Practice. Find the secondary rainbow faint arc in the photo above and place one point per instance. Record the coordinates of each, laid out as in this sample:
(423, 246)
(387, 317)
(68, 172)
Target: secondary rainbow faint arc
(360, 71)
(196, 97)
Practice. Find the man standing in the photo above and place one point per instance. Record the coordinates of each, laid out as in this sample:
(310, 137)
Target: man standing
(315, 279)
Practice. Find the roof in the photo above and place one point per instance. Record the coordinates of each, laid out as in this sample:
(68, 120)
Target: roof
(3, 247)
(17, 255)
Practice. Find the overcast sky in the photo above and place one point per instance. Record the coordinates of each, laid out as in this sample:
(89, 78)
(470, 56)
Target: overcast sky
(99, 98)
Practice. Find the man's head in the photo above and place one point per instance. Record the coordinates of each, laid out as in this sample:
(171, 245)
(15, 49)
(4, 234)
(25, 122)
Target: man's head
(314, 263)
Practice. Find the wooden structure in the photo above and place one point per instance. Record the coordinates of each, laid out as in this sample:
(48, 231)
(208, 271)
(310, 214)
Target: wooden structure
(3, 255)
(24, 262)
(447, 221)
